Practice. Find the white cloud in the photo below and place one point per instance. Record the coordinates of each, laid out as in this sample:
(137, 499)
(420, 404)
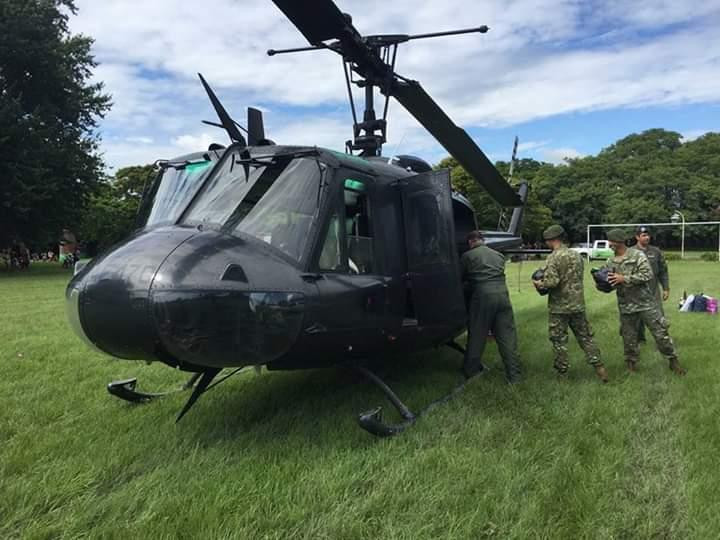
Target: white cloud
(193, 143)
(559, 155)
(531, 145)
(140, 139)
(540, 59)
(693, 134)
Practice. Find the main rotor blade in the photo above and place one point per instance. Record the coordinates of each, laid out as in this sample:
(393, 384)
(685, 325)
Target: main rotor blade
(455, 140)
(227, 122)
(318, 20)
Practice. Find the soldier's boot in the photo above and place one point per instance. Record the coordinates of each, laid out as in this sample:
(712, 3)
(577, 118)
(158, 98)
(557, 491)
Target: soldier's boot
(601, 372)
(631, 365)
(561, 374)
(676, 368)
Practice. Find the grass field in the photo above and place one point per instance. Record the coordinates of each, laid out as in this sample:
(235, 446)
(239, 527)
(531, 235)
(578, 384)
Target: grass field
(279, 455)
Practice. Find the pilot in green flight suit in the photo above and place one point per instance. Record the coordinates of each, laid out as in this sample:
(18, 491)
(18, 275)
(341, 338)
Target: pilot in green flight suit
(483, 269)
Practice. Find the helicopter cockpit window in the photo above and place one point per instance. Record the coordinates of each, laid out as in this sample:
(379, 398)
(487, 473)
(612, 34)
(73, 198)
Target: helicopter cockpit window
(331, 254)
(222, 193)
(177, 186)
(286, 211)
(358, 230)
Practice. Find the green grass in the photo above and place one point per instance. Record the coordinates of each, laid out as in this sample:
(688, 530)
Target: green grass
(279, 455)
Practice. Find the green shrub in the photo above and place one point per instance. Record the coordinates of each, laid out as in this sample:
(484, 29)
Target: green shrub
(709, 256)
(672, 256)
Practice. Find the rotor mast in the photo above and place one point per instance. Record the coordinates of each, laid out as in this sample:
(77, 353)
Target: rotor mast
(370, 134)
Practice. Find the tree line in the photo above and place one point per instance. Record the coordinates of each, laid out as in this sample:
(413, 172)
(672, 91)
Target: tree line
(644, 177)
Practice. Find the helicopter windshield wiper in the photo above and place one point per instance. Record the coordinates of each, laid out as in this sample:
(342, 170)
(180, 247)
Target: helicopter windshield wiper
(271, 159)
(180, 165)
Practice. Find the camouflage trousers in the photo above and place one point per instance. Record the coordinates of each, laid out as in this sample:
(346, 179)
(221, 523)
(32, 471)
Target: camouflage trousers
(658, 326)
(558, 332)
(640, 323)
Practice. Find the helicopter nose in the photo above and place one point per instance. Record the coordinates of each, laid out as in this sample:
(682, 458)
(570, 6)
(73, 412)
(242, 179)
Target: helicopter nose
(107, 302)
(220, 301)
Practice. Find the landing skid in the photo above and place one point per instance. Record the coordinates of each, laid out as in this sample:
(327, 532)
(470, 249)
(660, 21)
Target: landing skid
(372, 422)
(125, 389)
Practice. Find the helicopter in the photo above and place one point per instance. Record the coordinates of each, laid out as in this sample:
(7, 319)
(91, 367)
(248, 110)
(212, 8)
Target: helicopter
(296, 257)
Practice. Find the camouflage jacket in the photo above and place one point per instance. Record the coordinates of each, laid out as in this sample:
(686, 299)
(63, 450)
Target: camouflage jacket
(634, 295)
(659, 268)
(564, 279)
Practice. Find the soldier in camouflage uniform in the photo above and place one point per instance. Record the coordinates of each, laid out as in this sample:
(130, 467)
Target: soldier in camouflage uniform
(660, 273)
(630, 274)
(490, 308)
(566, 303)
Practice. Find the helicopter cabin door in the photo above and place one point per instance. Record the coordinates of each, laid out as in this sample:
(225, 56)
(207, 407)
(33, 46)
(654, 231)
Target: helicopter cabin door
(350, 316)
(434, 290)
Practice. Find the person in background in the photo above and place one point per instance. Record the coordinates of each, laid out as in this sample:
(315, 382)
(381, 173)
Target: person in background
(660, 273)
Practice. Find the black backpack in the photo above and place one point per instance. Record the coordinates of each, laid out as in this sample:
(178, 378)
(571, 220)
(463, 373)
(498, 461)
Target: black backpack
(601, 279)
(537, 275)
(699, 303)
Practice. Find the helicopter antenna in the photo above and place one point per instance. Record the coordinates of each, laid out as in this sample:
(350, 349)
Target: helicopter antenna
(397, 146)
(372, 59)
(226, 122)
(502, 218)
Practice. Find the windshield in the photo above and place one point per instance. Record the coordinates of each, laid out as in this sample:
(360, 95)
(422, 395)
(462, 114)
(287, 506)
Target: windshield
(286, 209)
(222, 193)
(177, 186)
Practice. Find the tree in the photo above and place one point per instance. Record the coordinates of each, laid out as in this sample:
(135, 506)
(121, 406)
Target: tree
(537, 215)
(643, 177)
(111, 211)
(49, 165)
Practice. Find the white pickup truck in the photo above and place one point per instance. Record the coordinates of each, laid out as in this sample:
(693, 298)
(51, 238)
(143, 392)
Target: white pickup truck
(599, 250)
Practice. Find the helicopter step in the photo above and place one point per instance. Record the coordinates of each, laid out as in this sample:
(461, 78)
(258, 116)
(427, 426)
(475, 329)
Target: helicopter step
(372, 422)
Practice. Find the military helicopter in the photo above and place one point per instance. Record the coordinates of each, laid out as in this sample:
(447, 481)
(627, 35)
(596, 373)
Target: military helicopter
(289, 257)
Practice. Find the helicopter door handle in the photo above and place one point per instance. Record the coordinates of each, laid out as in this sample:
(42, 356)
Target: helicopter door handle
(311, 278)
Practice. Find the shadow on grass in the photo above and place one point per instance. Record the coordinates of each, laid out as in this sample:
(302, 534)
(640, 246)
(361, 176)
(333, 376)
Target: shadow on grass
(306, 404)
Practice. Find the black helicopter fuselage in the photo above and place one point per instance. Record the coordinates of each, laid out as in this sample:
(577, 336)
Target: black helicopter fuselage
(288, 257)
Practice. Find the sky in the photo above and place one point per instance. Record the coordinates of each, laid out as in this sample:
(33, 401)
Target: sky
(568, 77)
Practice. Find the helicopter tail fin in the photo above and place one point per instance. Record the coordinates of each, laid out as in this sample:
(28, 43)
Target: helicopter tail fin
(517, 214)
(256, 129)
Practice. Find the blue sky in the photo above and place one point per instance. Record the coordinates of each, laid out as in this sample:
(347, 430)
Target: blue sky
(569, 77)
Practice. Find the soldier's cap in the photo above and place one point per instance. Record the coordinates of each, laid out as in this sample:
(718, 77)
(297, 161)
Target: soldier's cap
(616, 235)
(553, 231)
(642, 229)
